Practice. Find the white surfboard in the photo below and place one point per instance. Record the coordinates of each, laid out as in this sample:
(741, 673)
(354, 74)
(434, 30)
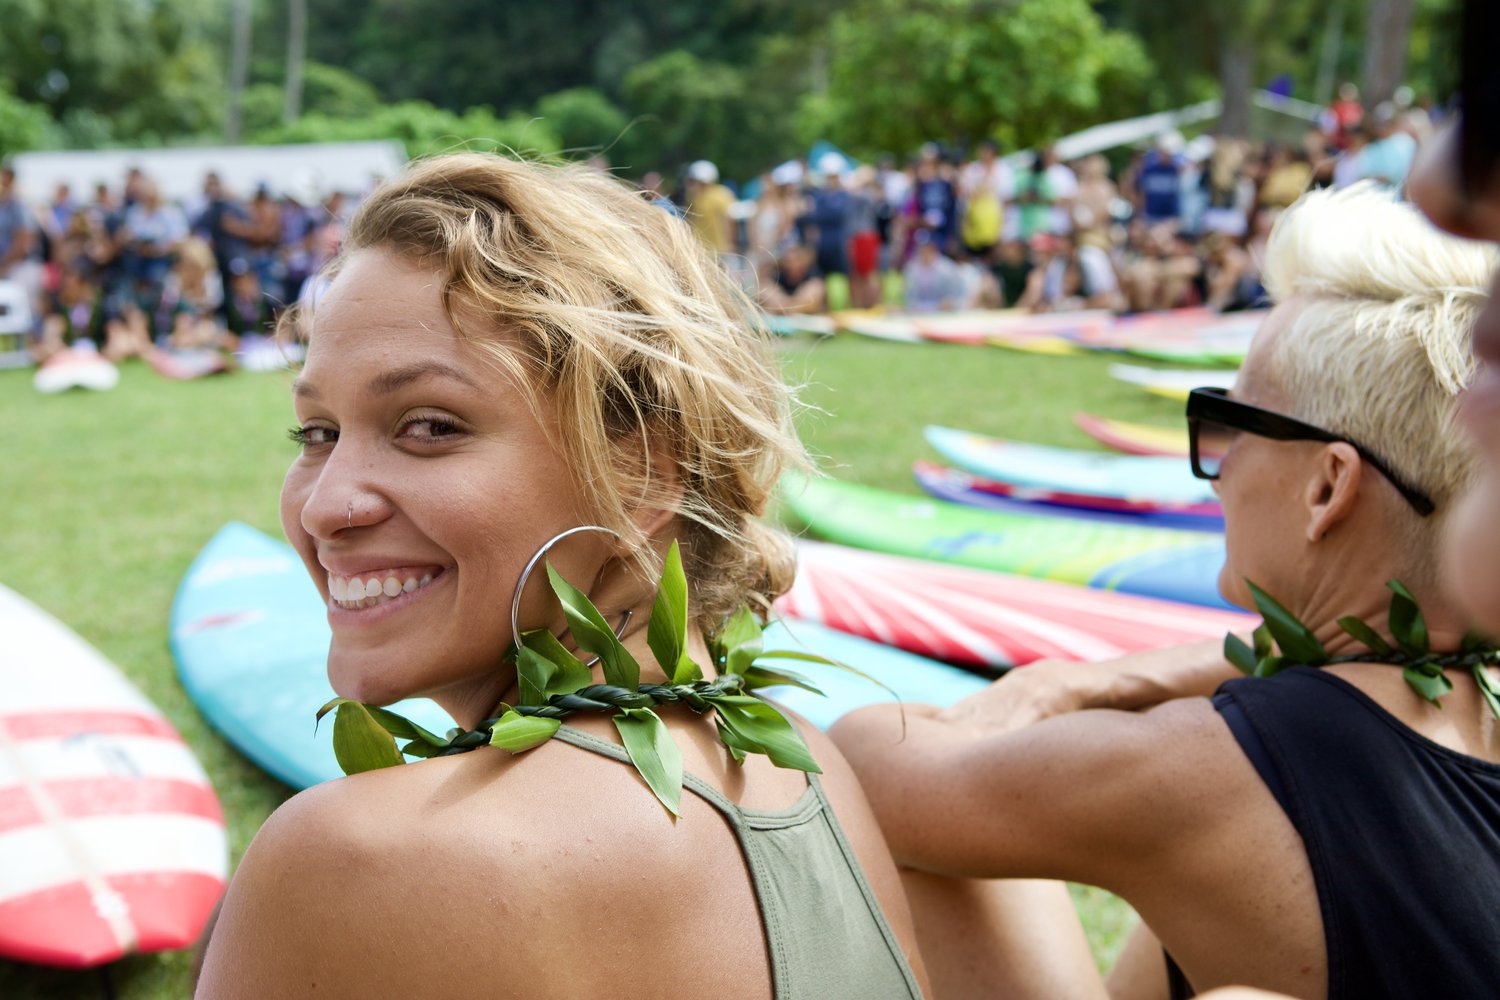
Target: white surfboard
(111, 836)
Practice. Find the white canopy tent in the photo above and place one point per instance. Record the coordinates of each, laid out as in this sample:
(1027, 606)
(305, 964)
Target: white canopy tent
(1133, 130)
(305, 171)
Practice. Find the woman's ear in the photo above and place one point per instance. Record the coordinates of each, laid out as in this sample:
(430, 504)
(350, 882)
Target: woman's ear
(659, 497)
(1333, 490)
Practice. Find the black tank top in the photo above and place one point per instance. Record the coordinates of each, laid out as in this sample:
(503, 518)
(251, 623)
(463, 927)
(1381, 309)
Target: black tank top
(1403, 835)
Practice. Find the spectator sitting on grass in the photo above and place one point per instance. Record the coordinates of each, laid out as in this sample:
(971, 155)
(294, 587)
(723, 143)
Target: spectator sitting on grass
(187, 314)
(933, 282)
(792, 285)
(1076, 275)
(1011, 265)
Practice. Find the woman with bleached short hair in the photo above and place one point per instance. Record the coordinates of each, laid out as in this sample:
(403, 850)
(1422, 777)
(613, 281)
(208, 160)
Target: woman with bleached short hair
(1322, 831)
(520, 367)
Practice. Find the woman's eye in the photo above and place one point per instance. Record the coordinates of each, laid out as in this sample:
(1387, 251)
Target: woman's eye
(430, 429)
(313, 437)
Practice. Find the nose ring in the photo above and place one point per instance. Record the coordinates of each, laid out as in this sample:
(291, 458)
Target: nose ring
(349, 520)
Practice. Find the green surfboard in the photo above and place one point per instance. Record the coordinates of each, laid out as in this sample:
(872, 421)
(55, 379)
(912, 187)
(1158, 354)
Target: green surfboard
(1158, 562)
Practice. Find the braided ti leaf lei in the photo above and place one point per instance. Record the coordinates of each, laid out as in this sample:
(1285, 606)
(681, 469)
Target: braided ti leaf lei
(554, 684)
(1420, 666)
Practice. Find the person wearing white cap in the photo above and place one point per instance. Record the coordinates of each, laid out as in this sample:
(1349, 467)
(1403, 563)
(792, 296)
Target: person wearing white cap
(708, 207)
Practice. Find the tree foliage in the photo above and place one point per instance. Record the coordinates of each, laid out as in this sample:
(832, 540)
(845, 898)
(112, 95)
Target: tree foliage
(153, 69)
(583, 119)
(423, 129)
(1022, 72)
(23, 125)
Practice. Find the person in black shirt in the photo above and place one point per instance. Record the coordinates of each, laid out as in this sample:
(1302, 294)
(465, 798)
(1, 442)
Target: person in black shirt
(1322, 833)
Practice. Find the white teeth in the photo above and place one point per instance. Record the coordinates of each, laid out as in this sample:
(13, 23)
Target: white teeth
(354, 592)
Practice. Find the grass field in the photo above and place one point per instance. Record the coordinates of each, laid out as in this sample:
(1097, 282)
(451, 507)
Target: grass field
(110, 495)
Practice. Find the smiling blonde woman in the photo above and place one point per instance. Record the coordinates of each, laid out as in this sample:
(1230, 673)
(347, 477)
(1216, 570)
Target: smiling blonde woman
(507, 352)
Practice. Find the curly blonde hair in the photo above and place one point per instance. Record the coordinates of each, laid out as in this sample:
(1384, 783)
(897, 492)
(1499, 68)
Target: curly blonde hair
(587, 294)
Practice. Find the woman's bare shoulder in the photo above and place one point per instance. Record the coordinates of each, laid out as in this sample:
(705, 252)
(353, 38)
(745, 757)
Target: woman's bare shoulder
(394, 881)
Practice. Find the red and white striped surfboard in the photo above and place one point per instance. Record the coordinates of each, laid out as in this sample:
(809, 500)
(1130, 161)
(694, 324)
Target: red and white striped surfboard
(111, 838)
(974, 616)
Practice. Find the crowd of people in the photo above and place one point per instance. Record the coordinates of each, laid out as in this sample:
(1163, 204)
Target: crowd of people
(1177, 224)
(1181, 223)
(130, 271)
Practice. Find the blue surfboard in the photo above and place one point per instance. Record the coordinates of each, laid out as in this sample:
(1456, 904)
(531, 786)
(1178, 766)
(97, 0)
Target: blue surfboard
(957, 487)
(1151, 478)
(250, 635)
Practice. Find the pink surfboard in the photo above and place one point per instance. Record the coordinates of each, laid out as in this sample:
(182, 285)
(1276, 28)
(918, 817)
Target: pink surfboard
(111, 836)
(975, 617)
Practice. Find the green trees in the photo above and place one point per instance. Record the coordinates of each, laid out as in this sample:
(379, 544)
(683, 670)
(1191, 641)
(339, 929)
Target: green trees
(656, 83)
(1022, 72)
(152, 70)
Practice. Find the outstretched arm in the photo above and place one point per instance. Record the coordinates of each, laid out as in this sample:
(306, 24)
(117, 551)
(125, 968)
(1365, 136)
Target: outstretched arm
(1129, 683)
(1088, 797)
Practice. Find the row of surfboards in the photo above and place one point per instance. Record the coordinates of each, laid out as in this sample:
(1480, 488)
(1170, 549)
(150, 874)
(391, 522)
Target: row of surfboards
(1199, 336)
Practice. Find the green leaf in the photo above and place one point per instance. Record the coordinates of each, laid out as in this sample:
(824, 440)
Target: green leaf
(533, 673)
(359, 742)
(403, 728)
(740, 642)
(1407, 623)
(1270, 666)
(1260, 641)
(1294, 639)
(1430, 686)
(667, 634)
(1488, 687)
(759, 677)
(654, 753)
(593, 633)
(515, 732)
(759, 725)
(1239, 654)
(1476, 642)
(1365, 634)
(737, 748)
(569, 673)
(422, 749)
(792, 654)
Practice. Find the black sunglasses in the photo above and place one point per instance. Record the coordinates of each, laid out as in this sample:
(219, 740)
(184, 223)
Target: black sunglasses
(1213, 418)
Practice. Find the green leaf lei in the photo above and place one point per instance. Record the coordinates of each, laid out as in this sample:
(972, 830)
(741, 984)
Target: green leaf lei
(554, 684)
(1420, 666)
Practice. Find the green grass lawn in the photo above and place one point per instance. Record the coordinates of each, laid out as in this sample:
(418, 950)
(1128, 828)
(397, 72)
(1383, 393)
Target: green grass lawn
(110, 496)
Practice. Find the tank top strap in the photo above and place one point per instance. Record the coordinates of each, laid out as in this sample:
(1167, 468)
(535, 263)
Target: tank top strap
(811, 890)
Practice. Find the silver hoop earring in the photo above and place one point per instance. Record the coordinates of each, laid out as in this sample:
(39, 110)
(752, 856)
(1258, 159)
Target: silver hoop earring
(541, 553)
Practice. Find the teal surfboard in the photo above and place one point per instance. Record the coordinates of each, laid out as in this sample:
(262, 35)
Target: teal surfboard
(250, 635)
(1156, 562)
(1137, 478)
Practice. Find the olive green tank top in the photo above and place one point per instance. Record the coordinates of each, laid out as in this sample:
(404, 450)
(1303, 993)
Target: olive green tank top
(825, 931)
